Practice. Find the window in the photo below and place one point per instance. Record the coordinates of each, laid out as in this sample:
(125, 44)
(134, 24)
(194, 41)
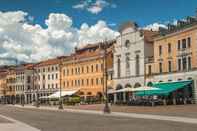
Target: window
(127, 43)
(75, 70)
(48, 86)
(64, 83)
(184, 63)
(52, 85)
(160, 68)
(160, 50)
(52, 76)
(96, 67)
(43, 69)
(67, 72)
(52, 68)
(137, 64)
(48, 77)
(67, 83)
(101, 80)
(189, 63)
(87, 82)
(43, 86)
(72, 71)
(64, 72)
(169, 48)
(82, 82)
(87, 69)
(169, 66)
(92, 67)
(82, 69)
(127, 64)
(43, 77)
(96, 81)
(118, 66)
(102, 67)
(48, 69)
(28, 79)
(149, 69)
(179, 64)
(184, 46)
(179, 44)
(92, 81)
(56, 85)
(189, 42)
(56, 75)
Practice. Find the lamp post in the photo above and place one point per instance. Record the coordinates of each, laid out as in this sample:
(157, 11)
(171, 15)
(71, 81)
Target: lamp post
(37, 91)
(104, 48)
(60, 97)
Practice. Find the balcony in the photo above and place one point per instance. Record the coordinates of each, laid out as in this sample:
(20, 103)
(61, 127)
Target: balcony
(149, 60)
(184, 52)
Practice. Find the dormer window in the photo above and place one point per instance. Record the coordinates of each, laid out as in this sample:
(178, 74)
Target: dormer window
(127, 43)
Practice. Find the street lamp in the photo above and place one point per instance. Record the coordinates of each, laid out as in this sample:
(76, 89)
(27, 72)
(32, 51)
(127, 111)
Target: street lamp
(37, 91)
(104, 48)
(60, 97)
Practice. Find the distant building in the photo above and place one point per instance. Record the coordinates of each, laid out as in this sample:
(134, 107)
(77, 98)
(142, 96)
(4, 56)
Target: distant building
(45, 78)
(3, 85)
(132, 47)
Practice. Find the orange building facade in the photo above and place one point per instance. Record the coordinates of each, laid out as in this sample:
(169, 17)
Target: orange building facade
(84, 71)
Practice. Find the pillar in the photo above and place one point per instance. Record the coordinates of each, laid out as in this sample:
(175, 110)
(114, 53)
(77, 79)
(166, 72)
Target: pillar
(174, 98)
(124, 97)
(115, 98)
(194, 89)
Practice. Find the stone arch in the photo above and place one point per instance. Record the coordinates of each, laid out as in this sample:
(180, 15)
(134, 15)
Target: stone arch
(149, 83)
(89, 93)
(128, 85)
(179, 79)
(118, 87)
(81, 93)
(189, 78)
(99, 95)
(137, 85)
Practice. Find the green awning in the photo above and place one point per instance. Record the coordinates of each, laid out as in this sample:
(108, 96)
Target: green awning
(165, 88)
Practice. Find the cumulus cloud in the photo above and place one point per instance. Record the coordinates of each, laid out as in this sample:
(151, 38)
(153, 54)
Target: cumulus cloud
(155, 26)
(30, 43)
(94, 7)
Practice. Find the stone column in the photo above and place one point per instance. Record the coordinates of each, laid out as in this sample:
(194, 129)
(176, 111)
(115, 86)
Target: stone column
(124, 97)
(115, 98)
(194, 89)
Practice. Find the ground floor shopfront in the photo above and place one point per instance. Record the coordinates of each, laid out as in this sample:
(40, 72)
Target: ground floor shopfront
(182, 89)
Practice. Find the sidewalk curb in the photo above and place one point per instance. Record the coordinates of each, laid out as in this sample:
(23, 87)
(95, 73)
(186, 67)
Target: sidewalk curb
(119, 114)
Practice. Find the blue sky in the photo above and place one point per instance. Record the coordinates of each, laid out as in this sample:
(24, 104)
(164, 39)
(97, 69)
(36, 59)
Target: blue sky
(142, 11)
(35, 30)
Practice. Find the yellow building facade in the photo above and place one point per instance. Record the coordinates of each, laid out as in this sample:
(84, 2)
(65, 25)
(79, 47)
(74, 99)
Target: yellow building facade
(2, 85)
(174, 52)
(84, 71)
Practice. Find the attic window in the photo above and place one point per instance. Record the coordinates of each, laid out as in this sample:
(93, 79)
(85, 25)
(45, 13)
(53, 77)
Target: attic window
(127, 43)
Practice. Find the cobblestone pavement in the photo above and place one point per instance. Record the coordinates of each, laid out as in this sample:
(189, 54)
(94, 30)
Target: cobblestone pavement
(3, 120)
(53, 120)
(171, 110)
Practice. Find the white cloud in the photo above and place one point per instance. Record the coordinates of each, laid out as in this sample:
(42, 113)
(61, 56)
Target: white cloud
(155, 26)
(94, 7)
(28, 42)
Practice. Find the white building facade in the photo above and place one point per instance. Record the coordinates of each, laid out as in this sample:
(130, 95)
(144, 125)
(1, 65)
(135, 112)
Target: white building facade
(131, 48)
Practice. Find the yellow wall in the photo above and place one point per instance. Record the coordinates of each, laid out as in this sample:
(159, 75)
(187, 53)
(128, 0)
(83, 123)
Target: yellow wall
(88, 61)
(173, 56)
